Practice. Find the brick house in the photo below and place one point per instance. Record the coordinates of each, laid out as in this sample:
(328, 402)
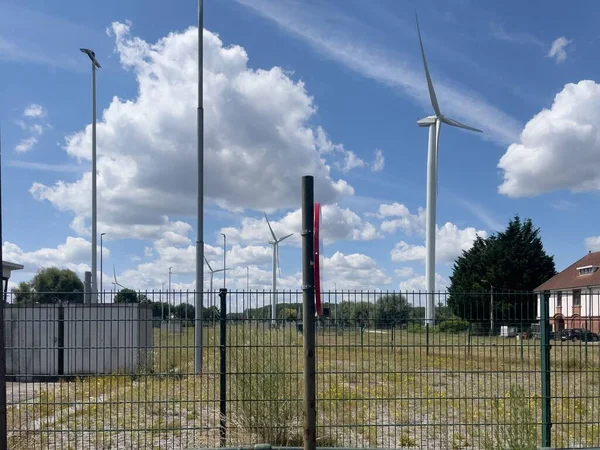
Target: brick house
(575, 295)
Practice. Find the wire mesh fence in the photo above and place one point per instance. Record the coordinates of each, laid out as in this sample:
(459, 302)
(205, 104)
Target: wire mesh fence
(121, 375)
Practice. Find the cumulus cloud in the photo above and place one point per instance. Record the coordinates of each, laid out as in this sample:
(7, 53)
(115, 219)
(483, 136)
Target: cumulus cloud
(593, 243)
(399, 217)
(451, 241)
(75, 254)
(337, 224)
(379, 162)
(417, 283)
(405, 272)
(258, 137)
(559, 147)
(558, 49)
(353, 271)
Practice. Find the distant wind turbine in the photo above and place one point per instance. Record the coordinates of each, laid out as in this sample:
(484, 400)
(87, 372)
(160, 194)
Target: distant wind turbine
(275, 243)
(116, 283)
(212, 272)
(434, 123)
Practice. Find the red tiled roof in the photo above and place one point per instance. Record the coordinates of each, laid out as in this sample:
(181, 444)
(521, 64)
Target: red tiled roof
(570, 277)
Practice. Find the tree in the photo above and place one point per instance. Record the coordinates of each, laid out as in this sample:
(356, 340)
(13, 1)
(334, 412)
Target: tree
(51, 285)
(514, 262)
(185, 311)
(392, 310)
(126, 295)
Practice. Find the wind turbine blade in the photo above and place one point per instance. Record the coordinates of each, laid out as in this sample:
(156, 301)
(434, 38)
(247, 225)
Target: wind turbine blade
(115, 273)
(432, 96)
(457, 124)
(285, 237)
(278, 265)
(269, 223)
(219, 270)
(438, 128)
(208, 264)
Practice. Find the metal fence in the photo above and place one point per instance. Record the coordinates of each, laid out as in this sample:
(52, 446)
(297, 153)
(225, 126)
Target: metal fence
(122, 375)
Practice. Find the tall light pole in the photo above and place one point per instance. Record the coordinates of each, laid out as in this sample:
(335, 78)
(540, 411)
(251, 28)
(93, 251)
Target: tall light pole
(101, 272)
(224, 259)
(491, 306)
(198, 325)
(95, 64)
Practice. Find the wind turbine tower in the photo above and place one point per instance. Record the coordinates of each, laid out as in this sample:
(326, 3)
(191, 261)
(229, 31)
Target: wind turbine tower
(434, 123)
(275, 243)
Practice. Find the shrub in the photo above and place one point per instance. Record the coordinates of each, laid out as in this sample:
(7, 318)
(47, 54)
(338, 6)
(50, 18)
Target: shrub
(454, 326)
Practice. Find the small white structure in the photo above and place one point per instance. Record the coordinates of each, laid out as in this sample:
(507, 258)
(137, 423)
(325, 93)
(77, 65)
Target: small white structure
(506, 331)
(77, 339)
(7, 269)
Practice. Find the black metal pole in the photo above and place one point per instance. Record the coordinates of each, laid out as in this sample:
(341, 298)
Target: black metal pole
(308, 314)
(545, 363)
(3, 426)
(223, 368)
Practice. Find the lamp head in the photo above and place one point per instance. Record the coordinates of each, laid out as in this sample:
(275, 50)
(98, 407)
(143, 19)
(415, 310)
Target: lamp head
(91, 55)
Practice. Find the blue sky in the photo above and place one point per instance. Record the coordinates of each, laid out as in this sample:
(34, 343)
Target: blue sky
(332, 89)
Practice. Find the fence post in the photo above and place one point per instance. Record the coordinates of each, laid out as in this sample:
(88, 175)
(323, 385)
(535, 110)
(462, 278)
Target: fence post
(545, 363)
(223, 365)
(427, 338)
(308, 314)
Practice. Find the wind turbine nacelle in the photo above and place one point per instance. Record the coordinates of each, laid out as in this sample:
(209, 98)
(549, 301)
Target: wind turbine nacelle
(427, 121)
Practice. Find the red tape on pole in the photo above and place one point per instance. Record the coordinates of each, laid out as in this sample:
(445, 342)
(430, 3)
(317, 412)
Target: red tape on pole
(316, 265)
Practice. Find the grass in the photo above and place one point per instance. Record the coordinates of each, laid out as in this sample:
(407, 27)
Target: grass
(380, 394)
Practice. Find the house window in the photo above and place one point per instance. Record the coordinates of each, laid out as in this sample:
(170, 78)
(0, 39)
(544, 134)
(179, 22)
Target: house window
(577, 297)
(587, 270)
(559, 299)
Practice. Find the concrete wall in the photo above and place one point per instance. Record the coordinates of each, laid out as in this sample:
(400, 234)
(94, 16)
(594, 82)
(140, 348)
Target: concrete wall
(31, 336)
(107, 338)
(96, 339)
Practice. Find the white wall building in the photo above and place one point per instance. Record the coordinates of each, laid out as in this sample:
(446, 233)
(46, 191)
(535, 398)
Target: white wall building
(575, 295)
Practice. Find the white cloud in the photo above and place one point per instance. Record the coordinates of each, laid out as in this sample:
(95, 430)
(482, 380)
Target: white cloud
(258, 137)
(417, 283)
(337, 224)
(379, 162)
(498, 32)
(317, 25)
(351, 161)
(34, 110)
(353, 271)
(558, 49)
(451, 241)
(26, 144)
(405, 272)
(592, 243)
(402, 219)
(559, 147)
(75, 254)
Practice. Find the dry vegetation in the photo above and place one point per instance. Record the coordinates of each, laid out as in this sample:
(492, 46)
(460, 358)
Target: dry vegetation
(379, 394)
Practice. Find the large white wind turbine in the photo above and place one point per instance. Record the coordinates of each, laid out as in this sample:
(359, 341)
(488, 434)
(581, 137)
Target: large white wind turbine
(434, 123)
(275, 243)
(212, 272)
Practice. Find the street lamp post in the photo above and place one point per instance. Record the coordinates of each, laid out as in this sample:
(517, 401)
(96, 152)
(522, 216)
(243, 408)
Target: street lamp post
(95, 65)
(101, 272)
(491, 306)
(224, 260)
